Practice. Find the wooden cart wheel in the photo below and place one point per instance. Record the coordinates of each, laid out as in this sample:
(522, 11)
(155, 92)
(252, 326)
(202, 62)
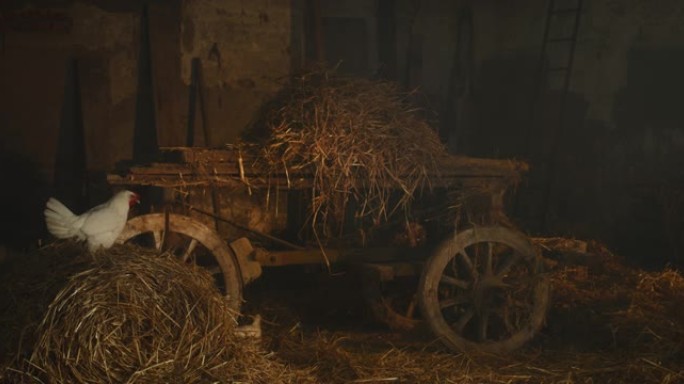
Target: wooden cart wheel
(393, 303)
(484, 290)
(192, 242)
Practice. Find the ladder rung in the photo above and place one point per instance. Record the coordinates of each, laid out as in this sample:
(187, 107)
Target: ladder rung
(561, 39)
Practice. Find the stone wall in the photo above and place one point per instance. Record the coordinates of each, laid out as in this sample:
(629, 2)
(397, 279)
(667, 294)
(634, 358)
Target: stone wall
(245, 51)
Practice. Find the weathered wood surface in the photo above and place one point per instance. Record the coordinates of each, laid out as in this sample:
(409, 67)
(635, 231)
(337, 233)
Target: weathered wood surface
(183, 166)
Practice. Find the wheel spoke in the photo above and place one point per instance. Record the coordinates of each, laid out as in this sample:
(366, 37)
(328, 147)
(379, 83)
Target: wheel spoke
(497, 282)
(411, 308)
(454, 281)
(464, 320)
(158, 239)
(505, 315)
(469, 263)
(482, 325)
(488, 259)
(456, 300)
(507, 264)
(189, 250)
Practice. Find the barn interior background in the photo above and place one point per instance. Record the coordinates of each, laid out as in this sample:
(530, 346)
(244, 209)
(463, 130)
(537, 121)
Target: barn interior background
(586, 91)
(115, 79)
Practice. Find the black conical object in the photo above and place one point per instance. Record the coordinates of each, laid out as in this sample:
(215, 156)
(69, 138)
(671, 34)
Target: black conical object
(145, 144)
(70, 177)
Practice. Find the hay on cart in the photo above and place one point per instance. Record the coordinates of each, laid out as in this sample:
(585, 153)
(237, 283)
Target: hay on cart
(363, 141)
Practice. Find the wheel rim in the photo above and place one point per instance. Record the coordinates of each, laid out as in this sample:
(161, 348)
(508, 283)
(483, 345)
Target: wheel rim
(483, 290)
(192, 242)
(393, 303)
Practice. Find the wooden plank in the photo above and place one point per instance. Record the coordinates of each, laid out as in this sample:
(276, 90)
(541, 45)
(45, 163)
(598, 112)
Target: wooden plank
(210, 166)
(161, 169)
(466, 169)
(388, 271)
(281, 258)
(189, 180)
(315, 256)
(171, 175)
(450, 163)
(278, 180)
(197, 154)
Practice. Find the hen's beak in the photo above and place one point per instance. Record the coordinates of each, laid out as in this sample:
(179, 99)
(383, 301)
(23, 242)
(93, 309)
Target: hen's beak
(134, 199)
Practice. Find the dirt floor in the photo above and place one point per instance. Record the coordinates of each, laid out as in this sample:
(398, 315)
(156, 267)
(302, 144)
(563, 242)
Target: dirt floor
(609, 323)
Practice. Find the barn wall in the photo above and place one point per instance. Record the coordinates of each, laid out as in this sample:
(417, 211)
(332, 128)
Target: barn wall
(243, 46)
(619, 178)
(618, 175)
(245, 50)
(37, 52)
(34, 70)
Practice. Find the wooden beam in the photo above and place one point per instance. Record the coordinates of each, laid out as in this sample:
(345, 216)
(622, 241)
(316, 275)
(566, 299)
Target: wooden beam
(335, 255)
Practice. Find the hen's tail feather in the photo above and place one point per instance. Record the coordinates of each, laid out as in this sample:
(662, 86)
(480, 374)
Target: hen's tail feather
(60, 220)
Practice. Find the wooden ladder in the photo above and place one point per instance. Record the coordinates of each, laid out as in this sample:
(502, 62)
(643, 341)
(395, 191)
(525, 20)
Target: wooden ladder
(554, 70)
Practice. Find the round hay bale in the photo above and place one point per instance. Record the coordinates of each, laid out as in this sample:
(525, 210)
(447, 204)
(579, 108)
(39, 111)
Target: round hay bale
(28, 285)
(140, 317)
(135, 314)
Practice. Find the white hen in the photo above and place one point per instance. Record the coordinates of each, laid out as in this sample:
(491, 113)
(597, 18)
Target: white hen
(99, 227)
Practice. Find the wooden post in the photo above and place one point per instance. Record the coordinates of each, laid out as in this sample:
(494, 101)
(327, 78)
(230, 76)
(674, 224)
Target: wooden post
(195, 101)
(192, 102)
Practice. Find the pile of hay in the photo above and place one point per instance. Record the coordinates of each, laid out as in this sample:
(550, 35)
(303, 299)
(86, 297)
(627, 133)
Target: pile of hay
(135, 316)
(608, 324)
(362, 140)
(27, 286)
(654, 320)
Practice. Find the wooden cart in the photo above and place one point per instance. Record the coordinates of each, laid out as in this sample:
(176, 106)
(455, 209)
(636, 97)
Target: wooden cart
(477, 281)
